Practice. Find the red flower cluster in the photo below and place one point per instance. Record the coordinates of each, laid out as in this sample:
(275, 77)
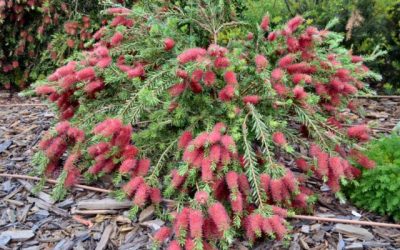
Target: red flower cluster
(169, 44)
(54, 147)
(279, 190)
(136, 71)
(331, 166)
(208, 150)
(359, 132)
(257, 225)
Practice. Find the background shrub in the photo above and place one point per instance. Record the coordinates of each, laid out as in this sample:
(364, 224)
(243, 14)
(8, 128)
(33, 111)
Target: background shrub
(378, 190)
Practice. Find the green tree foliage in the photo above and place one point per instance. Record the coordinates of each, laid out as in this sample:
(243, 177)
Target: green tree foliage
(378, 190)
(174, 109)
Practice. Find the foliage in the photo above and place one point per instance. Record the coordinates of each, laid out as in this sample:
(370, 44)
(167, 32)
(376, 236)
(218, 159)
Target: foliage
(37, 35)
(168, 112)
(367, 24)
(378, 190)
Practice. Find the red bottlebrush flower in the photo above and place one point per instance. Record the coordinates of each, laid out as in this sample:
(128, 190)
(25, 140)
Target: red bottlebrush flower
(155, 195)
(68, 81)
(277, 74)
(206, 170)
(230, 78)
(279, 211)
(197, 75)
(213, 137)
(191, 55)
(290, 181)
(349, 89)
(116, 39)
(272, 36)
(301, 67)
(190, 244)
(76, 134)
(45, 90)
(359, 132)
(67, 113)
(199, 160)
(266, 227)
(215, 153)
(127, 166)
(232, 180)
(177, 180)
(181, 222)
(292, 44)
(161, 235)
(356, 59)
(45, 143)
(109, 166)
(138, 71)
(53, 77)
(228, 142)
(104, 62)
(279, 138)
(184, 140)
(62, 127)
(237, 202)
(216, 50)
(196, 221)
(302, 164)
(172, 106)
(244, 185)
(181, 74)
(362, 159)
(294, 23)
(280, 89)
(93, 87)
(336, 84)
(265, 23)
(201, 197)
(69, 163)
(298, 78)
(276, 187)
(209, 78)
(219, 215)
(108, 127)
(98, 149)
(285, 61)
(225, 157)
(299, 93)
(220, 126)
(190, 154)
(333, 122)
(226, 93)
(252, 99)
(129, 151)
(72, 177)
(333, 184)
(279, 229)
(50, 168)
(86, 74)
(315, 150)
(132, 185)
(169, 44)
(177, 89)
(221, 62)
(250, 36)
(335, 167)
(322, 159)
(200, 140)
(142, 167)
(56, 148)
(67, 69)
(101, 51)
(141, 195)
(261, 62)
(300, 201)
(195, 87)
(174, 245)
(265, 180)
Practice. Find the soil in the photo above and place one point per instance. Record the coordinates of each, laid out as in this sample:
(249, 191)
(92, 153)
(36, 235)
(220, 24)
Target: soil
(92, 220)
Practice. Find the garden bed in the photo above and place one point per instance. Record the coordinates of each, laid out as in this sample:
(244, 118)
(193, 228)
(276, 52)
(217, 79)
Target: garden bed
(40, 223)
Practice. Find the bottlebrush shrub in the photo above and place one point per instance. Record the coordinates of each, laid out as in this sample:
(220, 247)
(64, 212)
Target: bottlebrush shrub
(38, 34)
(212, 127)
(377, 190)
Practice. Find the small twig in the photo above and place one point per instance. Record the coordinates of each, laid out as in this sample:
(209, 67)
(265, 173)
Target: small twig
(300, 217)
(378, 96)
(81, 220)
(357, 222)
(22, 105)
